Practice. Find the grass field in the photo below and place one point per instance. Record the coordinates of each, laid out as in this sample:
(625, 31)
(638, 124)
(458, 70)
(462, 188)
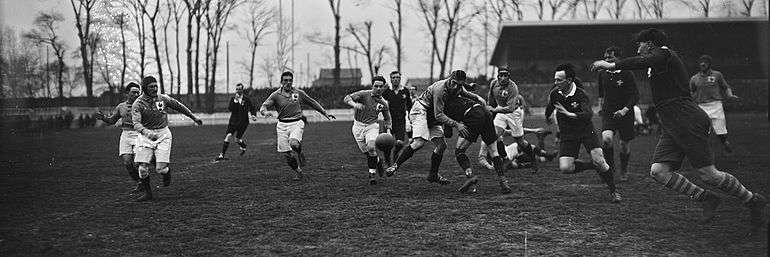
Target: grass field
(65, 194)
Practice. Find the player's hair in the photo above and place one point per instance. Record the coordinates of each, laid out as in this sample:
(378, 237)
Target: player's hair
(379, 78)
(287, 73)
(132, 84)
(459, 75)
(614, 49)
(503, 69)
(395, 72)
(239, 85)
(568, 68)
(656, 36)
(707, 58)
(148, 80)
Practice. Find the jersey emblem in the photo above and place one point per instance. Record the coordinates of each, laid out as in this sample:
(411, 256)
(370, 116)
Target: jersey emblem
(294, 97)
(503, 93)
(620, 83)
(575, 104)
(160, 105)
(711, 79)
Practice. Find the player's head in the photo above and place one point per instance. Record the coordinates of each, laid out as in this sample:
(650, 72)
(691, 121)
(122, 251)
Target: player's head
(150, 86)
(395, 78)
(564, 75)
(503, 74)
(704, 62)
(378, 85)
(613, 53)
(287, 79)
(133, 91)
(456, 80)
(239, 88)
(650, 38)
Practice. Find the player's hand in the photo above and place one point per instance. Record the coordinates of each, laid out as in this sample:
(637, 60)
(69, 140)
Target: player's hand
(330, 117)
(254, 117)
(198, 121)
(462, 130)
(620, 113)
(560, 108)
(153, 136)
(600, 65)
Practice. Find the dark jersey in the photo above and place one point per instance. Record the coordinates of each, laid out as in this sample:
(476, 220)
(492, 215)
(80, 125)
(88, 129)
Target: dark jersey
(668, 75)
(456, 107)
(399, 103)
(240, 107)
(618, 89)
(576, 102)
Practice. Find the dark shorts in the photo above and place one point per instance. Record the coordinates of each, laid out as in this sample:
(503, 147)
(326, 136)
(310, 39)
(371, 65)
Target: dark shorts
(570, 146)
(399, 128)
(624, 126)
(685, 133)
(236, 129)
(480, 123)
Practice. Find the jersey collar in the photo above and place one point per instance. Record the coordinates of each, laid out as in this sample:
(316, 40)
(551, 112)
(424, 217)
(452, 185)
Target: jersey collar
(571, 92)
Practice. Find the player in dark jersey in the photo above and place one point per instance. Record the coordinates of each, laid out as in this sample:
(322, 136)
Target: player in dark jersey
(574, 115)
(479, 123)
(128, 135)
(685, 129)
(617, 96)
(240, 107)
(399, 103)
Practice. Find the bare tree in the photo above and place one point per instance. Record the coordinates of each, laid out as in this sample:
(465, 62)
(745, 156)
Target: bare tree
(166, 22)
(216, 21)
(193, 7)
(396, 33)
(83, 22)
(20, 67)
(44, 32)
(430, 13)
(641, 8)
(259, 20)
(748, 5)
(140, 32)
(152, 15)
(615, 9)
(363, 35)
(335, 6)
(451, 22)
(177, 12)
(656, 7)
(121, 22)
(539, 6)
(555, 5)
(702, 6)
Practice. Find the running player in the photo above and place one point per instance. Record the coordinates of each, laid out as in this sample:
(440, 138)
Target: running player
(709, 88)
(367, 105)
(240, 107)
(287, 102)
(574, 115)
(150, 118)
(503, 95)
(400, 102)
(128, 135)
(685, 129)
(427, 117)
(617, 97)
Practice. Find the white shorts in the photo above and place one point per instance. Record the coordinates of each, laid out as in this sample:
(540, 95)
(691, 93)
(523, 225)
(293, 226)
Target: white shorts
(514, 120)
(365, 135)
(160, 148)
(286, 131)
(419, 120)
(128, 140)
(716, 113)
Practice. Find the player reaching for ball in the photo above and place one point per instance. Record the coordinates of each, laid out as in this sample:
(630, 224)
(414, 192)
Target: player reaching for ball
(367, 105)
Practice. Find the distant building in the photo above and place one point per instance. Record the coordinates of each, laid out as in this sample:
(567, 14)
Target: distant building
(348, 77)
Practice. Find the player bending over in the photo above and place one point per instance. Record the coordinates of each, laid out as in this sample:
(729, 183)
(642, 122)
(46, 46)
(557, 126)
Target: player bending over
(150, 118)
(367, 105)
(287, 102)
(576, 129)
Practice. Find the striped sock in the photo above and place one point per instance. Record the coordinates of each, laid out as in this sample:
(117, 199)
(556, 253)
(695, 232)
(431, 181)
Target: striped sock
(679, 183)
(732, 186)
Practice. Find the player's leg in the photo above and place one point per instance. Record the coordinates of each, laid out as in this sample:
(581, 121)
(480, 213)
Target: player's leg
(605, 172)
(484, 159)
(491, 142)
(501, 121)
(283, 129)
(626, 133)
(437, 155)
(143, 157)
(420, 136)
(465, 164)
(132, 168)
(517, 129)
(399, 132)
(295, 142)
(730, 185)
(225, 145)
(608, 145)
(568, 153)
(719, 124)
(127, 148)
(163, 157)
(239, 137)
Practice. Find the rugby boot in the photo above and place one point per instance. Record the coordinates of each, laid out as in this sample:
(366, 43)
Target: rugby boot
(390, 171)
(436, 178)
(138, 189)
(146, 189)
(372, 179)
(504, 187)
(757, 209)
(167, 178)
(710, 203)
(616, 198)
(468, 184)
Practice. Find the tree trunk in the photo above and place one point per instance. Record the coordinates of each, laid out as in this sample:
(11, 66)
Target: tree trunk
(123, 58)
(157, 57)
(168, 61)
(189, 55)
(197, 65)
(212, 93)
(337, 65)
(206, 72)
(251, 66)
(178, 64)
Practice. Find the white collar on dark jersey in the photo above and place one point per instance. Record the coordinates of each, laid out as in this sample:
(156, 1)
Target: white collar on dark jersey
(571, 92)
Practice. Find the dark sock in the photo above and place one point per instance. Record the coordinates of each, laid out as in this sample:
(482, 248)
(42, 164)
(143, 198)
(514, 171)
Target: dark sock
(608, 179)
(435, 161)
(405, 155)
(499, 165)
(291, 161)
(224, 147)
(371, 162)
(241, 143)
(624, 161)
(501, 149)
(609, 156)
(723, 138)
(396, 150)
(581, 166)
(133, 172)
(462, 159)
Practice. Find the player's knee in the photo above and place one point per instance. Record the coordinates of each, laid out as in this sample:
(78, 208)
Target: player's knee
(128, 159)
(163, 170)
(659, 170)
(566, 167)
(228, 137)
(295, 144)
(144, 170)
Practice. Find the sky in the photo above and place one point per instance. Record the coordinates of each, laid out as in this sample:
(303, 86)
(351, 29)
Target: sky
(311, 16)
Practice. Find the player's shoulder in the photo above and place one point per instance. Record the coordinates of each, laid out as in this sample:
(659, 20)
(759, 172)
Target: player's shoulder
(716, 73)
